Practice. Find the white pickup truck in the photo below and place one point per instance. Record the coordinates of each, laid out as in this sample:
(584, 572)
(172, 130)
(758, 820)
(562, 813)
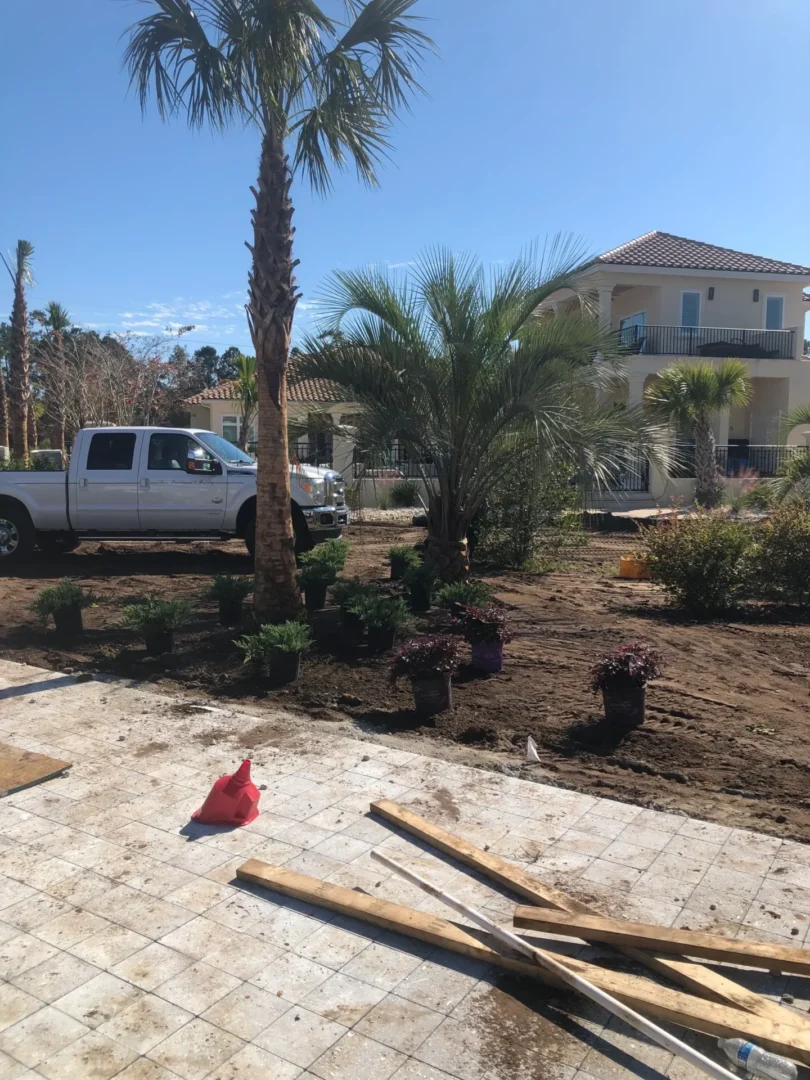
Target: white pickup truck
(138, 483)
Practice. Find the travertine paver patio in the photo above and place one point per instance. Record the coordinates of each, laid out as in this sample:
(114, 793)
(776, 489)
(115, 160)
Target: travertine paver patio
(127, 949)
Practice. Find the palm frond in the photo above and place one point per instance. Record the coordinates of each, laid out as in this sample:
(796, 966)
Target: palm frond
(18, 262)
(792, 419)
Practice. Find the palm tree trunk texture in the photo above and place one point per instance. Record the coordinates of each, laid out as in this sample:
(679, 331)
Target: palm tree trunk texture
(3, 411)
(19, 380)
(33, 433)
(272, 305)
(57, 387)
(449, 557)
(708, 484)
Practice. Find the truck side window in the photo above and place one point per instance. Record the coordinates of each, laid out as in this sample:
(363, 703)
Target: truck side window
(169, 451)
(111, 450)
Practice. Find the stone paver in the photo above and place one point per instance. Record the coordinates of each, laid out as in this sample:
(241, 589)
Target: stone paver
(129, 949)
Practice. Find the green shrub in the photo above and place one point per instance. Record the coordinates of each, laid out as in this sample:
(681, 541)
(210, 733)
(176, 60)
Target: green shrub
(404, 553)
(384, 500)
(290, 637)
(385, 612)
(405, 493)
(227, 588)
(155, 616)
(473, 593)
(702, 561)
(781, 560)
(346, 589)
(332, 551)
(64, 595)
(316, 573)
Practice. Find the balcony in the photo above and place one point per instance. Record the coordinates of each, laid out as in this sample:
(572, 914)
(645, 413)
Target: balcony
(706, 341)
(739, 460)
(392, 463)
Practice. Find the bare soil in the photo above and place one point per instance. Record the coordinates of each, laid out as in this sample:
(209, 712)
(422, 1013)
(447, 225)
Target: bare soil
(727, 735)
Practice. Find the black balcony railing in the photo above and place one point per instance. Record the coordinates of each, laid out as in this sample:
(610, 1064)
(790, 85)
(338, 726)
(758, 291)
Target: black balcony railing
(738, 460)
(392, 463)
(312, 453)
(708, 341)
(634, 475)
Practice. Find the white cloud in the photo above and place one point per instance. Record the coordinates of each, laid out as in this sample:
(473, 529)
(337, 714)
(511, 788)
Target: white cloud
(400, 265)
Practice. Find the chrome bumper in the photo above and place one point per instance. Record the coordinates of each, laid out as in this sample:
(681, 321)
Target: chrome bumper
(323, 518)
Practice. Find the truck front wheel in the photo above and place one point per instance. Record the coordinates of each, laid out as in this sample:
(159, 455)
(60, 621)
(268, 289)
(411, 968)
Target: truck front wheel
(16, 535)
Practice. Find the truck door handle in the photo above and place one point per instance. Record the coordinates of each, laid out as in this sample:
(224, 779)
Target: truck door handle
(145, 483)
(216, 500)
(83, 482)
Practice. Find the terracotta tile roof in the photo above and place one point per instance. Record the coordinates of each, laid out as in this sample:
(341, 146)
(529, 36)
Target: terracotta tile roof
(305, 391)
(677, 252)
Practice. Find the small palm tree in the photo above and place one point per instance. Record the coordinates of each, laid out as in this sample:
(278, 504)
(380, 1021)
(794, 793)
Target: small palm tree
(459, 372)
(19, 269)
(322, 92)
(246, 392)
(56, 323)
(691, 395)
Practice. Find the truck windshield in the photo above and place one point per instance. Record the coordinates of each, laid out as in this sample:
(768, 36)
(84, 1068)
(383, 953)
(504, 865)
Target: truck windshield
(224, 449)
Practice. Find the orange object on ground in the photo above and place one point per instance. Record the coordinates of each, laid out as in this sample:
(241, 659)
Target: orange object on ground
(233, 800)
(632, 567)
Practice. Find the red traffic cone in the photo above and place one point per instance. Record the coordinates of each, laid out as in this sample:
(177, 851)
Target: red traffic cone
(233, 800)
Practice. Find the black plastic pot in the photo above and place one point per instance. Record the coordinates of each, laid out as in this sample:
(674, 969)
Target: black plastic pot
(159, 642)
(283, 667)
(381, 639)
(420, 597)
(352, 623)
(230, 612)
(432, 694)
(399, 567)
(68, 620)
(315, 597)
(487, 655)
(625, 706)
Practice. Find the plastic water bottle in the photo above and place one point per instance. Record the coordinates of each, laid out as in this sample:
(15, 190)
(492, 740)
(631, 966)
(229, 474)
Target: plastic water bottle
(757, 1061)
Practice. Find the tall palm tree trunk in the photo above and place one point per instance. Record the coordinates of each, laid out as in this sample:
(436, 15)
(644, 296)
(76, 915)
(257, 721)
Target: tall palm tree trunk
(708, 485)
(3, 411)
(19, 379)
(33, 431)
(59, 393)
(270, 312)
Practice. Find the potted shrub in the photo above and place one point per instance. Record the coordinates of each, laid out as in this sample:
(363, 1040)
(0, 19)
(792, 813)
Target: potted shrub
(420, 580)
(156, 621)
(317, 574)
(229, 592)
(429, 662)
(64, 603)
(401, 558)
(382, 616)
(275, 650)
(622, 676)
(343, 592)
(487, 632)
(463, 593)
(333, 551)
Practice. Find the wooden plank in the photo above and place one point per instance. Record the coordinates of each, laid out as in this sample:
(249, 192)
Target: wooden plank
(22, 768)
(619, 932)
(781, 1037)
(703, 981)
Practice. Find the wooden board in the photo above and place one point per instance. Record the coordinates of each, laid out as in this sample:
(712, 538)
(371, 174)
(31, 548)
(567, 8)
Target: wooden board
(618, 932)
(647, 997)
(702, 980)
(22, 768)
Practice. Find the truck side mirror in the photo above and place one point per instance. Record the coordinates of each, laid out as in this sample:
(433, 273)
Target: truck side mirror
(202, 466)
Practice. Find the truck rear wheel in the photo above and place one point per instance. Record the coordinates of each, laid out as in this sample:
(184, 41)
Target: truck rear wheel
(16, 535)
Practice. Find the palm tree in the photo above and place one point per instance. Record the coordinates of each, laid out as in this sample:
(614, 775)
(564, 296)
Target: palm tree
(5, 348)
(246, 393)
(691, 395)
(19, 269)
(457, 370)
(56, 322)
(320, 91)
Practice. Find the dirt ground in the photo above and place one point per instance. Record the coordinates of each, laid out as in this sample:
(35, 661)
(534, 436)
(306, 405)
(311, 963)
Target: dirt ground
(726, 736)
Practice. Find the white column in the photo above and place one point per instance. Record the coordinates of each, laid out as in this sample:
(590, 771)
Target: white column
(635, 388)
(722, 429)
(605, 303)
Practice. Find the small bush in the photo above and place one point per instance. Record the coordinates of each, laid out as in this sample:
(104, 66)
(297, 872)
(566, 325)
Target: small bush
(346, 589)
(64, 595)
(702, 561)
(383, 612)
(316, 573)
(630, 665)
(289, 637)
(476, 593)
(423, 657)
(384, 500)
(405, 493)
(230, 589)
(155, 616)
(404, 553)
(332, 551)
(781, 563)
(483, 625)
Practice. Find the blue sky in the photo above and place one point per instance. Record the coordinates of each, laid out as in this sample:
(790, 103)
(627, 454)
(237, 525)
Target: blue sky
(601, 119)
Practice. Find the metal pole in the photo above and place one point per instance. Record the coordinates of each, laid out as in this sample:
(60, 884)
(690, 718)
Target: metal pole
(576, 982)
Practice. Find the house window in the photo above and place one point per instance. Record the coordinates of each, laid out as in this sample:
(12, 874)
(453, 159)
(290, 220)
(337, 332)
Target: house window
(690, 309)
(774, 312)
(230, 428)
(632, 331)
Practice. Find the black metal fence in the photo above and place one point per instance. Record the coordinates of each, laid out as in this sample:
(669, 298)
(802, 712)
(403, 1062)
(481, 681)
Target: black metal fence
(708, 341)
(633, 476)
(312, 453)
(392, 463)
(735, 460)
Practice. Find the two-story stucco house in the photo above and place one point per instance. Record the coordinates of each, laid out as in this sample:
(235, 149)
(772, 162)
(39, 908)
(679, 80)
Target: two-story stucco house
(669, 298)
